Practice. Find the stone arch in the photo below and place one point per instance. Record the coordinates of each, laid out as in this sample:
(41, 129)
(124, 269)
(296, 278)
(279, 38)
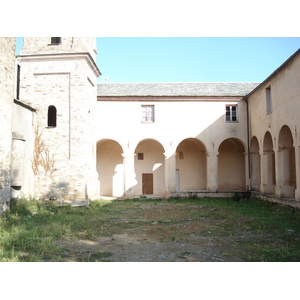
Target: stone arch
(231, 165)
(268, 165)
(255, 164)
(110, 168)
(286, 163)
(191, 173)
(149, 167)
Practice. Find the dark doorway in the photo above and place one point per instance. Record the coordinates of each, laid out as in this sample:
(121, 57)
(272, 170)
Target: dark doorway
(147, 180)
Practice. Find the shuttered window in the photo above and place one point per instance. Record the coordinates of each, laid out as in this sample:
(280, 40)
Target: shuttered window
(269, 105)
(148, 113)
(231, 113)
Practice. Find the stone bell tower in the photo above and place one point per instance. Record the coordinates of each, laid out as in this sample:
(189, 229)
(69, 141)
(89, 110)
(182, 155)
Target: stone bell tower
(58, 78)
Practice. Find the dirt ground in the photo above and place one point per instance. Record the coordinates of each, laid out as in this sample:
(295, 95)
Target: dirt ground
(136, 246)
(168, 233)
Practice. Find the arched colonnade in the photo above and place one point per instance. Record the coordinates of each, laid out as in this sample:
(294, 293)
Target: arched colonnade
(157, 169)
(273, 164)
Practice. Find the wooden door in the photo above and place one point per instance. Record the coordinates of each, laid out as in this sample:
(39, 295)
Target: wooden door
(147, 180)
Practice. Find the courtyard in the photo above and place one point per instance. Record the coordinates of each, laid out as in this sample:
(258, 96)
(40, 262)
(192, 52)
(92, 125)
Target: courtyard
(146, 230)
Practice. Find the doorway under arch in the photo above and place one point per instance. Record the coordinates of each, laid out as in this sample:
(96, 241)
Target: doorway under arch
(149, 167)
(191, 172)
(110, 168)
(231, 165)
(286, 163)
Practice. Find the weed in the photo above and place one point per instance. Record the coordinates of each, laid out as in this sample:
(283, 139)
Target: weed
(183, 254)
(95, 257)
(236, 197)
(192, 196)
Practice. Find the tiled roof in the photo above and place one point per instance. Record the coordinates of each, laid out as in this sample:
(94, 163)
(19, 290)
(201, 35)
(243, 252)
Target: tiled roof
(176, 89)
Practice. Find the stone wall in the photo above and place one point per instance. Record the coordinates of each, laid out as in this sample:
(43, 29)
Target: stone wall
(7, 91)
(42, 45)
(64, 160)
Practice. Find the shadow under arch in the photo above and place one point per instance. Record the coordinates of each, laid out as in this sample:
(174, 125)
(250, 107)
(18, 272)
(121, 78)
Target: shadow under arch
(255, 164)
(149, 168)
(110, 168)
(286, 163)
(268, 165)
(191, 170)
(231, 165)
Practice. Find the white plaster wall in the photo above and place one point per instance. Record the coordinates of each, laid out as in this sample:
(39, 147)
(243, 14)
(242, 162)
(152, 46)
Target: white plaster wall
(23, 134)
(175, 121)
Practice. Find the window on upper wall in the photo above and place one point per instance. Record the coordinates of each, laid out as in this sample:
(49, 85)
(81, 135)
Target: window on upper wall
(18, 82)
(55, 40)
(269, 107)
(231, 113)
(51, 116)
(148, 113)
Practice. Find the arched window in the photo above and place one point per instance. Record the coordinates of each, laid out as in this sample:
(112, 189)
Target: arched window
(181, 155)
(51, 116)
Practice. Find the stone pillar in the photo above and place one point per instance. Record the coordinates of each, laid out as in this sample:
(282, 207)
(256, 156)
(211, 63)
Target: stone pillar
(247, 175)
(279, 173)
(212, 172)
(170, 174)
(297, 163)
(129, 174)
(256, 171)
(262, 172)
(267, 173)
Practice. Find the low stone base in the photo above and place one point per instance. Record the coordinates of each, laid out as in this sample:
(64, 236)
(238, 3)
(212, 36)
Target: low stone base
(273, 198)
(207, 194)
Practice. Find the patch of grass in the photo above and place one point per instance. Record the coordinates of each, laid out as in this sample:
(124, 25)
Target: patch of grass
(184, 254)
(257, 230)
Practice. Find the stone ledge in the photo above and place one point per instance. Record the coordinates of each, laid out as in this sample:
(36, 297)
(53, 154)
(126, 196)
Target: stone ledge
(273, 198)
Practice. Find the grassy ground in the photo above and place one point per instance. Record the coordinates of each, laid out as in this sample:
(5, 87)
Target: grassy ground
(254, 230)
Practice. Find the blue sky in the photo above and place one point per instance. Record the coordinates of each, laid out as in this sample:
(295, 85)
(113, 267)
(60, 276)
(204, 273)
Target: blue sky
(191, 59)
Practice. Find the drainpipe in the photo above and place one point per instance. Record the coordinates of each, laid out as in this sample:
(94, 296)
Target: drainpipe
(248, 144)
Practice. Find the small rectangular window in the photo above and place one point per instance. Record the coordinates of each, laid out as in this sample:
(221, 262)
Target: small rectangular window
(269, 107)
(55, 40)
(231, 113)
(148, 113)
(140, 156)
(18, 82)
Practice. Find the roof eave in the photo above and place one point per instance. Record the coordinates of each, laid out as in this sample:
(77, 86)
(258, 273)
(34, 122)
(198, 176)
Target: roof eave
(273, 74)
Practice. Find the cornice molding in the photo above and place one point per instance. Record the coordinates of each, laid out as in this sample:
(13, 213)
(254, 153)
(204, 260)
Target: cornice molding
(170, 98)
(62, 57)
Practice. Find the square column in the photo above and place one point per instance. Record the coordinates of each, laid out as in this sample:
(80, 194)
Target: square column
(212, 172)
(129, 174)
(170, 174)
